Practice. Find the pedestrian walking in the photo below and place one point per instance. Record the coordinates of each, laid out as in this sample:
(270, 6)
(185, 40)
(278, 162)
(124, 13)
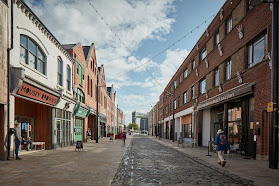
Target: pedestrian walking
(123, 136)
(17, 139)
(222, 144)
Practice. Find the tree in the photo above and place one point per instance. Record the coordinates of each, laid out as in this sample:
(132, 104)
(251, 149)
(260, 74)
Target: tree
(133, 125)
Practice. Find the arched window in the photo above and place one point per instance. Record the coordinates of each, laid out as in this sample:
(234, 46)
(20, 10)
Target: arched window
(60, 71)
(68, 78)
(32, 54)
(80, 95)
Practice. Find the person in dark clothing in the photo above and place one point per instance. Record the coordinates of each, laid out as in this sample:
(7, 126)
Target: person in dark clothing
(222, 144)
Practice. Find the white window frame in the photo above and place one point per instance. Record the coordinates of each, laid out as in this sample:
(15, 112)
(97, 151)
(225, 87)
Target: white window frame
(228, 69)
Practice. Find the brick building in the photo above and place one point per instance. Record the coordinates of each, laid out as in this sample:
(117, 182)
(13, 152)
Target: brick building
(225, 82)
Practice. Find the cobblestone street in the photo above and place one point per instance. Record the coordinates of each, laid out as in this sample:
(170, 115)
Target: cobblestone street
(149, 162)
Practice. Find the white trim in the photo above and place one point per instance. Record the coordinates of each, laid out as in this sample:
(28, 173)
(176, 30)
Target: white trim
(184, 112)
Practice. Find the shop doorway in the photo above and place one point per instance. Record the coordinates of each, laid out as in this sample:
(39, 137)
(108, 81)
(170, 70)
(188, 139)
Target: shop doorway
(78, 130)
(27, 127)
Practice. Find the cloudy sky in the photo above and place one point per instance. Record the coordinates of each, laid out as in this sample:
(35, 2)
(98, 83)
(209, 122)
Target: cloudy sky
(129, 35)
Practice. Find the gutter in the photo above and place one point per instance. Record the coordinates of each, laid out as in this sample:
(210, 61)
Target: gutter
(9, 80)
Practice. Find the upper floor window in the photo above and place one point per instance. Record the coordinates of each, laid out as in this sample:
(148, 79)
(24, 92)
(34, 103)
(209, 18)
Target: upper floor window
(166, 109)
(193, 92)
(68, 78)
(203, 54)
(60, 71)
(193, 65)
(185, 73)
(185, 97)
(180, 79)
(174, 84)
(80, 71)
(216, 77)
(257, 51)
(32, 54)
(228, 69)
(216, 39)
(250, 6)
(229, 24)
(202, 86)
(80, 95)
(174, 104)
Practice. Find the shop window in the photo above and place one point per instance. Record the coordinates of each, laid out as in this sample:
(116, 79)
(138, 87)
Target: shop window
(68, 78)
(60, 71)
(185, 97)
(202, 86)
(203, 54)
(187, 130)
(193, 65)
(80, 95)
(193, 92)
(185, 73)
(257, 51)
(216, 77)
(229, 24)
(32, 54)
(228, 69)
(216, 39)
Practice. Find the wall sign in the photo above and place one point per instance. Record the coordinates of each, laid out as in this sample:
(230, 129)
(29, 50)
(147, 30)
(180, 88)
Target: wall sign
(37, 94)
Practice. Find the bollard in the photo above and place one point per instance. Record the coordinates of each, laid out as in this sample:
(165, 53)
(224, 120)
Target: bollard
(208, 149)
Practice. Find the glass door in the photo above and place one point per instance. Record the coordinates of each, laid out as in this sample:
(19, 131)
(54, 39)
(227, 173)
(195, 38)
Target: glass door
(58, 133)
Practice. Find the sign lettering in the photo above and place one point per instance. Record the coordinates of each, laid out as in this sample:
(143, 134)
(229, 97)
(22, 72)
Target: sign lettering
(37, 94)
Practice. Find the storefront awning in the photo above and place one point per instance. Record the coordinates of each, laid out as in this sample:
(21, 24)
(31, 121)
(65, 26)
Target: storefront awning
(103, 118)
(80, 111)
(239, 91)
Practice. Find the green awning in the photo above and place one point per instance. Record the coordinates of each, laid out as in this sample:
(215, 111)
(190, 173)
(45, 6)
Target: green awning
(81, 112)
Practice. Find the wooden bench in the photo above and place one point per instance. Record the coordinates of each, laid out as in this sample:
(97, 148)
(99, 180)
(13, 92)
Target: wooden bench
(42, 144)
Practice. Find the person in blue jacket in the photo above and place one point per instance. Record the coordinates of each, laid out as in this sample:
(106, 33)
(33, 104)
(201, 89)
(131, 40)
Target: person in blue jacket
(222, 144)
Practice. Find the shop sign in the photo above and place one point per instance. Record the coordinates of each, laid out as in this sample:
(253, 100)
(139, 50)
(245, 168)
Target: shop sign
(244, 89)
(82, 113)
(37, 94)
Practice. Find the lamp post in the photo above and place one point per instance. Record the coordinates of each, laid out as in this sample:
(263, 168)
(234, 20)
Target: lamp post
(273, 139)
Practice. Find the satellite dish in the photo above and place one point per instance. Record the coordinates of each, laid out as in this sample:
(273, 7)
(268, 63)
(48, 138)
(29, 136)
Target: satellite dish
(255, 2)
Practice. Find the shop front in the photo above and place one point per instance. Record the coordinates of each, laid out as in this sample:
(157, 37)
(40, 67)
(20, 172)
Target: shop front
(81, 114)
(33, 104)
(233, 112)
(63, 124)
(103, 124)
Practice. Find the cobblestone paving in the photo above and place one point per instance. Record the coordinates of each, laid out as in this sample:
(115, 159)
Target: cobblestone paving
(147, 162)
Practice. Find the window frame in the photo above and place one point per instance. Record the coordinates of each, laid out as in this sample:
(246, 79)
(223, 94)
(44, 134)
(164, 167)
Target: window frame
(255, 42)
(193, 91)
(202, 89)
(228, 67)
(69, 74)
(185, 97)
(215, 38)
(186, 71)
(29, 52)
(193, 64)
(203, 54)
(215, 82)
(60, 74)
(229, 24)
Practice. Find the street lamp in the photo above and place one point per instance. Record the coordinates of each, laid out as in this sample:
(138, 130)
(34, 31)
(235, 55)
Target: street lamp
(273, 140)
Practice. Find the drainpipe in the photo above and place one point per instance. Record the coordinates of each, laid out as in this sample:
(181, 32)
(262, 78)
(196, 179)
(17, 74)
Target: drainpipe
(9, 73)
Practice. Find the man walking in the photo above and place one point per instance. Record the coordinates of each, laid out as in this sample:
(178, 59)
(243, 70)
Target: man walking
(17, 139)
(123, 136)
(222, 144)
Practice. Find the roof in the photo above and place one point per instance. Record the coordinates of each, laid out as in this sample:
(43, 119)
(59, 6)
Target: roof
(86, 50)
(68, 46)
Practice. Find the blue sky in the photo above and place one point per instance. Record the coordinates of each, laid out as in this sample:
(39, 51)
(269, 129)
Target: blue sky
(146, 27)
